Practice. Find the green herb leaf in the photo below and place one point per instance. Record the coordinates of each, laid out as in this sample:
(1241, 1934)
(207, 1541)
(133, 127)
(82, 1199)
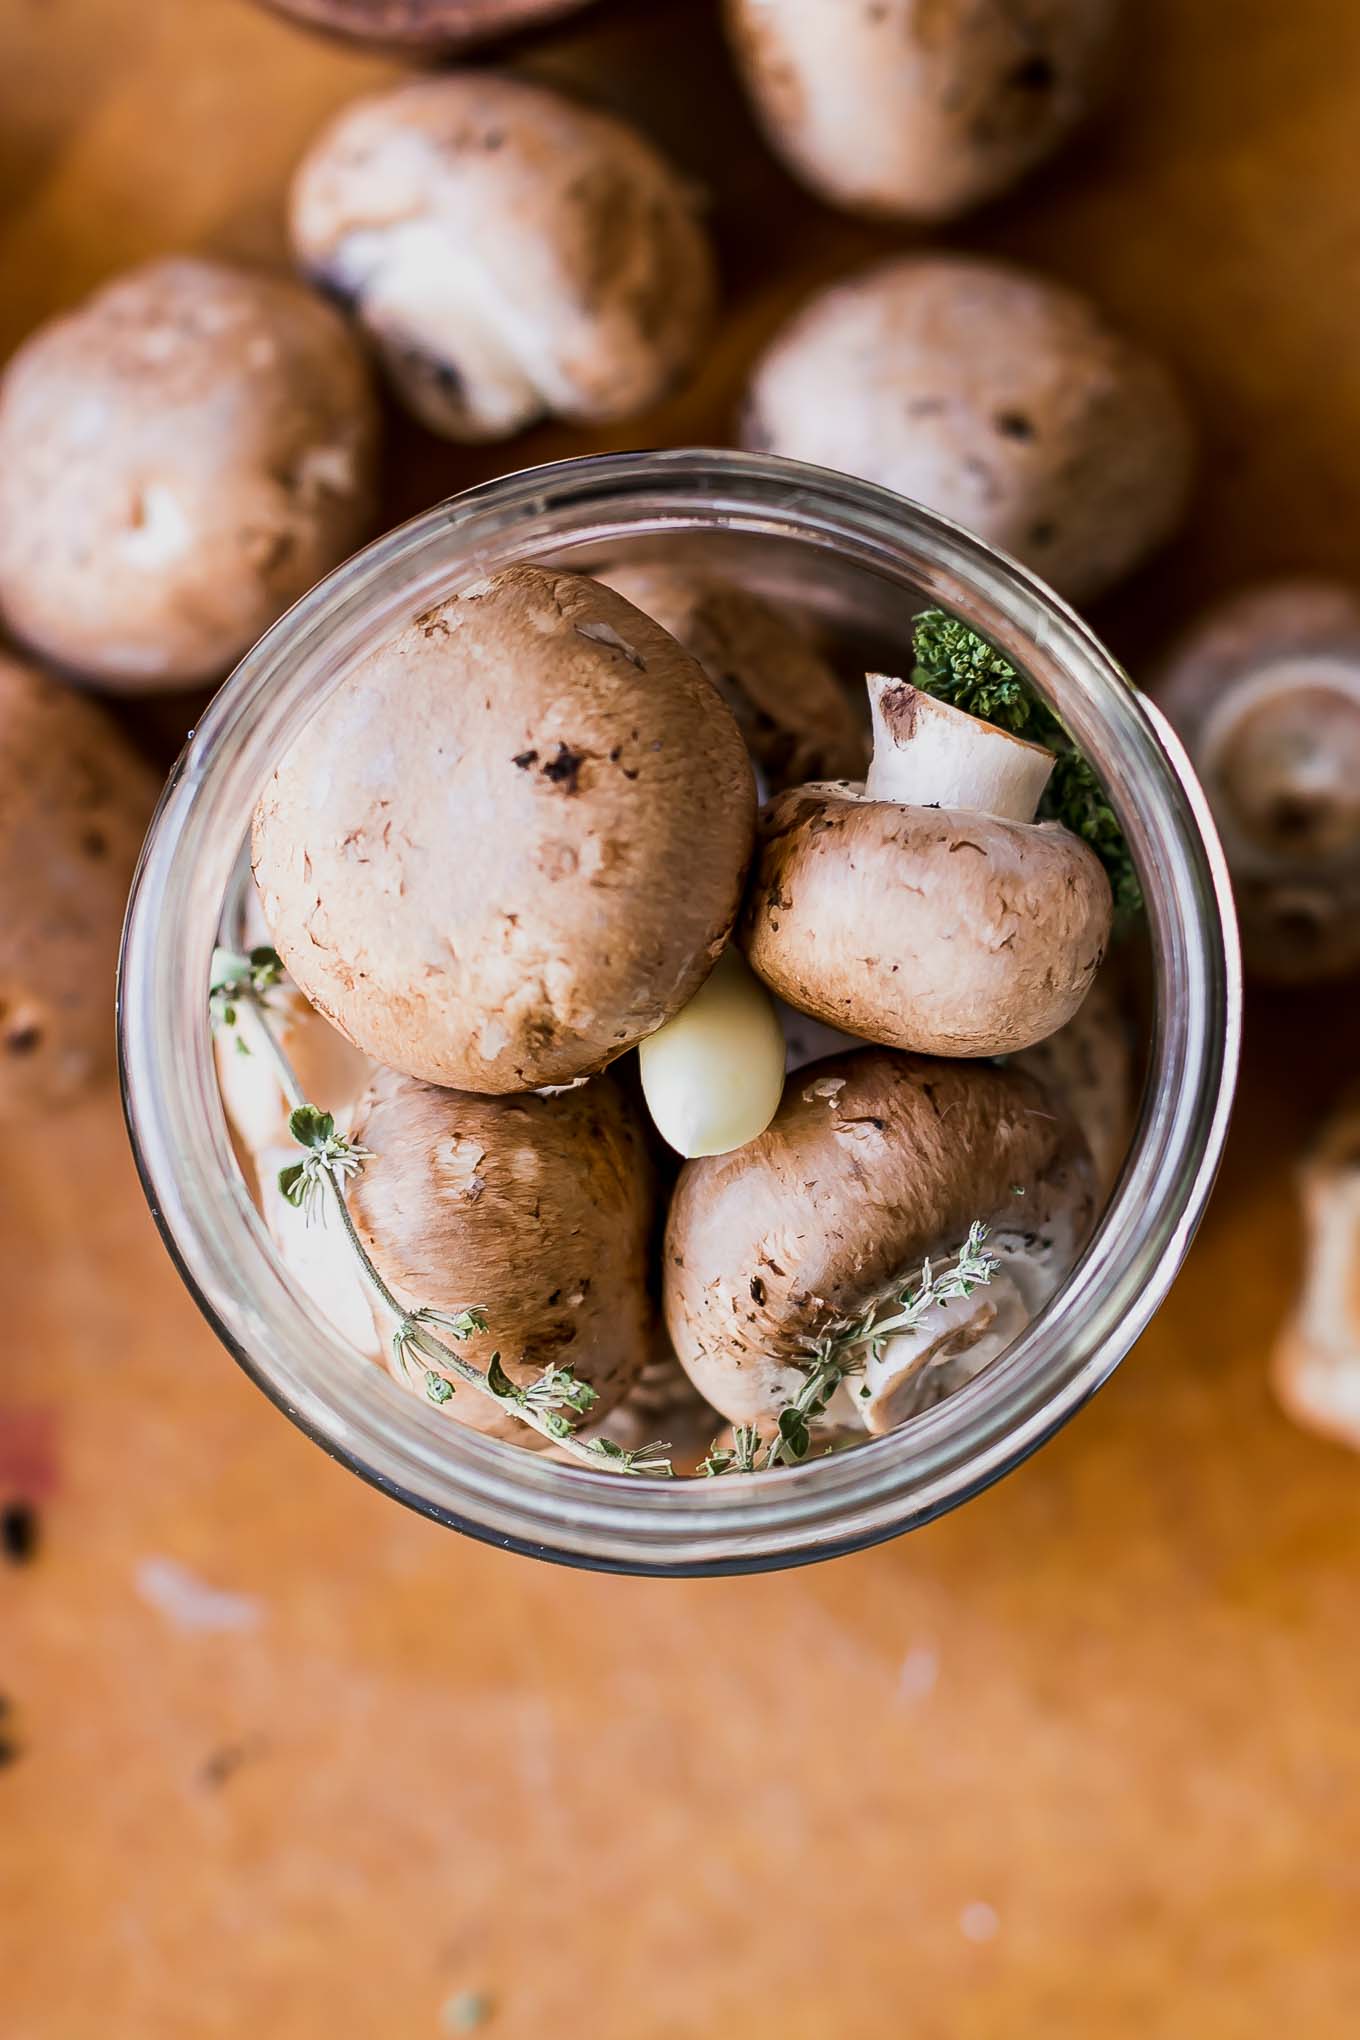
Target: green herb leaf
(437, 1389)
(311, 1127)
(499, 1381)
(293, 1182)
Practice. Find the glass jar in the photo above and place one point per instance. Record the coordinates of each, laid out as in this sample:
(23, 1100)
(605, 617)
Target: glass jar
(866, 560)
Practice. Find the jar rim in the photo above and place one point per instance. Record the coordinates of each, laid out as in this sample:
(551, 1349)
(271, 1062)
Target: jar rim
(500, 1493)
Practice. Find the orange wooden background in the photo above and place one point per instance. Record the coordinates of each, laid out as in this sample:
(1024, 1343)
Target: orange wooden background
(1082, 1760)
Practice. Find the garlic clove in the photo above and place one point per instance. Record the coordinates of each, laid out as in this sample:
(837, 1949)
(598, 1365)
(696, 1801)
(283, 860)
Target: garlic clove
(713, 1076)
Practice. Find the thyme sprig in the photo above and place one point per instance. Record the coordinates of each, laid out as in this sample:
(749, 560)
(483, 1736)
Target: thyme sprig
(957, 666)
(331, 1160)
(845, 1349)
(653, 1458)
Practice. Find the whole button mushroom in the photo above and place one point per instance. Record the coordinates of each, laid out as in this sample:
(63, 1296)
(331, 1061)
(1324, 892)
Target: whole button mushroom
(512, 841)
(513, 255)
(927, 909)
(75, 801)
(535, 1210)
(874, 1164)
(1265, 691)
(425, 24)
(919, 108)
(799, 722)
(180, 459)
(997, 398)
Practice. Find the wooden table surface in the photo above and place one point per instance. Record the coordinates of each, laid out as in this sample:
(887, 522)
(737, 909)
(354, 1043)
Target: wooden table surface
(1082, 1759)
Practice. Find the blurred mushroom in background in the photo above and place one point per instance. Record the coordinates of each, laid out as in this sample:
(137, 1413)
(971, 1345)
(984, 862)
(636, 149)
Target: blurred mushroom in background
(181, 458)
(433, 25)
(1265, 692)
(1315, 1369)
(992, 395)
(512, 255)
(919, 109)
(75, 801)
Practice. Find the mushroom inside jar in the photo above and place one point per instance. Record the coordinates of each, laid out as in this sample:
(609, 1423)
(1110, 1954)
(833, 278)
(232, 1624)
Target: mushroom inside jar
(514, 847)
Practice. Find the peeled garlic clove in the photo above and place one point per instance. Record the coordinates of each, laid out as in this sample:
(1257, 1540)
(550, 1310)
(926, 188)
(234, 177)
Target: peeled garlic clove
(713, 1076)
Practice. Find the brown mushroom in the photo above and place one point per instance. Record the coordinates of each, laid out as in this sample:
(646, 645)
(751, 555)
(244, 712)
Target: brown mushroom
(425, 24)
(512, 841)
(512, 255)
(1265, 692)
(926, 909)
(996, 397)
(75, 801)
(1315, 1369)
(536, 1210)
(180, 459)
(798, 720)
(919, 110)
(874, 1163)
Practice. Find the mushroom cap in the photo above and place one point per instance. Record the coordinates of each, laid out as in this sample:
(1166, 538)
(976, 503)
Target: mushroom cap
(512, 841)
(873, 1163)
(995, 397)
(935, 929)
(180, 459)
(1265, 691)
(798, 720)
(512, 254)
(919, 111)
(424, 24)
(75, 801)
(536, 1210)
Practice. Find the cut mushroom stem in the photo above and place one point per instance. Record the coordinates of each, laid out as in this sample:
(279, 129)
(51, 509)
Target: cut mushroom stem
(927, 754)
(979, 1330)
(713, 1076)
(926, 908)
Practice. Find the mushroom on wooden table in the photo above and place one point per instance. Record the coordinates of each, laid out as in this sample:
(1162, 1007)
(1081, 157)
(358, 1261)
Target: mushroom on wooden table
(1265, 691)
(75, 802)
(919, 109)
(1001, 399)
(181, 458)
(511, 254)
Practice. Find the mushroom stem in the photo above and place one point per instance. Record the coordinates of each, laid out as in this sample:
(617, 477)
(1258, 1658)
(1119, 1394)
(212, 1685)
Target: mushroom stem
(927, 754)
